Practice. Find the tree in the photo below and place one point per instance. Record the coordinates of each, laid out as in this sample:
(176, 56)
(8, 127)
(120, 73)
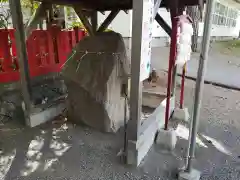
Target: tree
(26, 3)
(29, 7)
(195, 13)
(4, 16)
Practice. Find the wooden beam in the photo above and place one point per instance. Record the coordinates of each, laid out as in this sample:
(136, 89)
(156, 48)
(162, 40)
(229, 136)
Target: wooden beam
(94, 21)
(108, 20)
(156, 7)
(163, 24)
(84, 20)
(17, 19)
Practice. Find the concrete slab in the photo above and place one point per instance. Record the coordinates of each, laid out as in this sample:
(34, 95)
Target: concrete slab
(155, 91)
(193, 175)
(152, 100)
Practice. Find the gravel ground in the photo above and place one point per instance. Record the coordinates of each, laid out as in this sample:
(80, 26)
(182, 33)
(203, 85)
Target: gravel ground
(59, 151)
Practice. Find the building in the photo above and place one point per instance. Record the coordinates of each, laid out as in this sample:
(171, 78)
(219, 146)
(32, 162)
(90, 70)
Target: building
(226, 20)
(226, 23)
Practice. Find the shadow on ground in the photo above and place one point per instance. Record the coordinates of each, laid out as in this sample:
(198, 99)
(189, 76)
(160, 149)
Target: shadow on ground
(61, 150)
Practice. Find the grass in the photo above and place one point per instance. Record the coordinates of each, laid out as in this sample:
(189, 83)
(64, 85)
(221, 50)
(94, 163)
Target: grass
(229, 47)
(231, 43)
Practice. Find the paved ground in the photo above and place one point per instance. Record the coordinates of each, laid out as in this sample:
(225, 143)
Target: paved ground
(63, 151)
(222, 68)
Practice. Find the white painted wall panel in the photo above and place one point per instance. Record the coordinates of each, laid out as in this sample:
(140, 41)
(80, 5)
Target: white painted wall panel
(120, 24)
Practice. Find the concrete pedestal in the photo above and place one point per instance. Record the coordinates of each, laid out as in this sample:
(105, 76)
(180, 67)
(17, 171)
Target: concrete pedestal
(167, 139)
(40, 115)
(137, 150)
(193, 175)
(181, 114)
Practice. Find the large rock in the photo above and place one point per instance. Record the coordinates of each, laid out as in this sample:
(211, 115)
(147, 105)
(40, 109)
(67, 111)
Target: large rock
(94, 77)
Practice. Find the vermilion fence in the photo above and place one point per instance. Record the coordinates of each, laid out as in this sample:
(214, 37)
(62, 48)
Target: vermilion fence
(47, 51)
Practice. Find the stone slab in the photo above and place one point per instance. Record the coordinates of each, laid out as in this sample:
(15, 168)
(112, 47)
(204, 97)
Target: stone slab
(46, 115)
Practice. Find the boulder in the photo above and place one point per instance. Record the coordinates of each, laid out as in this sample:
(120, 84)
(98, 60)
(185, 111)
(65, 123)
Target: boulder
(95, 76)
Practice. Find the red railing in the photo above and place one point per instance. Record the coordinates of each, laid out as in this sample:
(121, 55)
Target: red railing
(47, 51)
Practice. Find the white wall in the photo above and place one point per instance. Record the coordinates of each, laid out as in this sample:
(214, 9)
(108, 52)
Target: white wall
(122, 24)
(157, 29)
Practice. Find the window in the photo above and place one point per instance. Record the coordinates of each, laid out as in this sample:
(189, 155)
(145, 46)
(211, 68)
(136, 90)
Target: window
(224, 16)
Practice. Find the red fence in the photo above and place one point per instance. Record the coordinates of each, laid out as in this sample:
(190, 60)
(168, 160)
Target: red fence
(47, 51)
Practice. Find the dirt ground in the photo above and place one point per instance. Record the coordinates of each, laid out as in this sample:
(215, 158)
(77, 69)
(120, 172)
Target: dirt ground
(62, 151)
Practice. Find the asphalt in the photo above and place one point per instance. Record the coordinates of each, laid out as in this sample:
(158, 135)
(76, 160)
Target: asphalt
(222, 69)
(62, 151)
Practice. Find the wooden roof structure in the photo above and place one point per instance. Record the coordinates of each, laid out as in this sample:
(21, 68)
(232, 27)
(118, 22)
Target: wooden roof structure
(106, 5)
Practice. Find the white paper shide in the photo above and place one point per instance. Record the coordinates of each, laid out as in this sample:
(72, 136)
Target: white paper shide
(184, 50)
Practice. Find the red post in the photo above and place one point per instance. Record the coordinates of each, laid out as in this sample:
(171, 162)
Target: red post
(72, 38)
(5, 54)
(31, 50)
(13, 41)
(34, 55)
(64, 47)
(9, 74)
(44, 48)
(14, 49)
(76, 30)
(182, 86)
(53, 34)
(173, 48)
(81, 33)
(37, 52)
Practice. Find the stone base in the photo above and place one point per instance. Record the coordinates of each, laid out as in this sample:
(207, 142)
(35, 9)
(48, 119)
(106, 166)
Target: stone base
(167, 139)
(137, 150)
(193, 175)
(48, 114)
(181, 114)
